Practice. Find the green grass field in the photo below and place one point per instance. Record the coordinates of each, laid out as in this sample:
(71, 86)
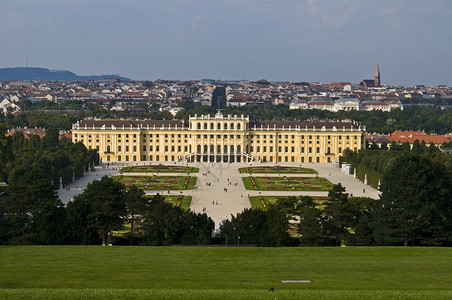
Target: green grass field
(95, 272)
(160, 169)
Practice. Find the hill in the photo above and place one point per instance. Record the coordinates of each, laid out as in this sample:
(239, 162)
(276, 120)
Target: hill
(43, 74)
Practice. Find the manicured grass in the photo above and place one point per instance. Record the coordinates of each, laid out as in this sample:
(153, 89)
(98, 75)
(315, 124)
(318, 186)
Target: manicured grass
(278, 170)
(158, 182)
(243, 294)
(258, 201)
(160, 169)
(286, 183)
(82, 272)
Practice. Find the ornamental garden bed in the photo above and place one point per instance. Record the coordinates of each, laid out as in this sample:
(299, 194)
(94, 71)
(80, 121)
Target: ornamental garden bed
(278, 170)
(263, 202)
(287, 183)
(158, 182)
(160, 169)
(176, 200)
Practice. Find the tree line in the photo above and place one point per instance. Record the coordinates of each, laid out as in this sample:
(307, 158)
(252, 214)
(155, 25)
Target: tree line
(414, 209)
(45, 114)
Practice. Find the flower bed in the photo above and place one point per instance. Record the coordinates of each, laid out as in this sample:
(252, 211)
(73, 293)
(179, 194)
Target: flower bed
(160, 169)
(158, 182)
(278, 170)
(287, 183)
(264, 202)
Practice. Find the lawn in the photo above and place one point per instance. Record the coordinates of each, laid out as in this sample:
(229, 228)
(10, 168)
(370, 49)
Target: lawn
(160, 169)
(287, 183)
(263, 202)
(278, 170)
(87, 272)
(158, 182)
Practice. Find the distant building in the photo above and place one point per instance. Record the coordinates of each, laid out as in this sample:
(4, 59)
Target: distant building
(375, 83)
(219, 138)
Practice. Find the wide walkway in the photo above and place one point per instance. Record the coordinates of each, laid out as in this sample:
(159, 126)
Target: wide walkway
(220, 191)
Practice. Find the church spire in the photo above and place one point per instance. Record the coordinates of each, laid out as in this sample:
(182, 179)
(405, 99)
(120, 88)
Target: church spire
(377, 76)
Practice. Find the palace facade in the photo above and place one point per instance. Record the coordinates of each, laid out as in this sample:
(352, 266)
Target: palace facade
(219, 138)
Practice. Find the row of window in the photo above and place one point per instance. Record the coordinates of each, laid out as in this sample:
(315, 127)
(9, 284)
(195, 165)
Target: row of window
(206, 126)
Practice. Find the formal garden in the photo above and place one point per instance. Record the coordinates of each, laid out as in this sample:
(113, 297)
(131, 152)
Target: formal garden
(160, 169)
(158, 182)
(277, 170)
(287, 183)
(263, 202)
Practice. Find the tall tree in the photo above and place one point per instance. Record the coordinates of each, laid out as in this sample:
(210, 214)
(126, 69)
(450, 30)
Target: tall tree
(136, 205)
(32, 206)
(107, 208)
(416, 203)
(310, 227)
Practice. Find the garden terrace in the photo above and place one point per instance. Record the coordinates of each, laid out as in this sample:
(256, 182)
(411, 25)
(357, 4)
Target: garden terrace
(158, 182)
(287, 183)
(278, 170)
(159, 169)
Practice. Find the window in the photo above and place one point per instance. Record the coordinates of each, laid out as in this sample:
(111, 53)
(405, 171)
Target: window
(134, 148)
(302, 149)
(127, 136)
(150, 148)
(134, 136)
(292, 149)
(119, 157)
(166, 148)
(119, 148)
(310, 150)
(127, 149)
(317, 150)
(157, 148)
(286, 149)
(258, 149)
(179, 148)
(172, 148)
(144, 147)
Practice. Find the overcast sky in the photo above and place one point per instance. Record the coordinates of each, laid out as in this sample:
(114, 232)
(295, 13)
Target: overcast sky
(277, 40)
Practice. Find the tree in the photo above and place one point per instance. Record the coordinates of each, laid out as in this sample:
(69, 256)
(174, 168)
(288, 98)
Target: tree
(257, 227)
(416, 203)
(33, 209)
(106, 202)
(338, 214)
(310, 227)
(136, 205)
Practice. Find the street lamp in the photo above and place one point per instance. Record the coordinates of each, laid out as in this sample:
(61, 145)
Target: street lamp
(238, 241)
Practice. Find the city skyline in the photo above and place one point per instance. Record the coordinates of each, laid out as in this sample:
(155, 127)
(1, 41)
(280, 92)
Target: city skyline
(323, 40)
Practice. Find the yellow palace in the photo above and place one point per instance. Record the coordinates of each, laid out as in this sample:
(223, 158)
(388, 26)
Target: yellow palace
(219, 138)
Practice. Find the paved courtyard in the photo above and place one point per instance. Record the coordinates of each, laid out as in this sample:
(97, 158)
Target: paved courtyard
(220, 190)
